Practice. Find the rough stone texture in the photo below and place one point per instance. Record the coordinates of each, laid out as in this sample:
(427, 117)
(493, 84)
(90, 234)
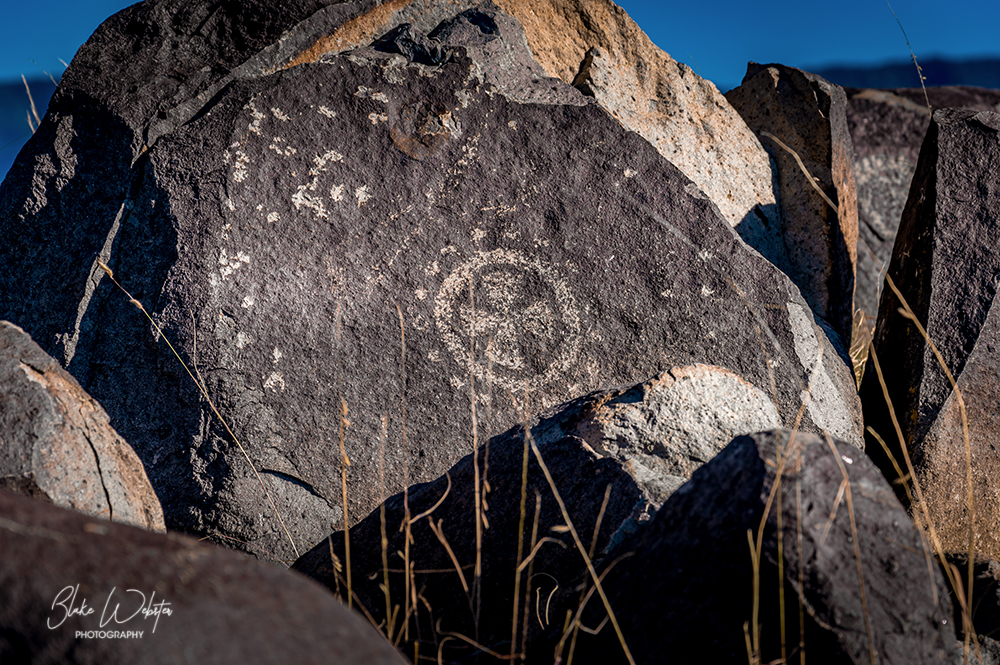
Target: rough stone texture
(697, 545)
(664, 428)
(223, 607)
(985, 595)
(887, 128)
(274, 236)
(945, 263)
(582, 477)
(809, 115)
(643, 440)
(597, 47)
(57, 444)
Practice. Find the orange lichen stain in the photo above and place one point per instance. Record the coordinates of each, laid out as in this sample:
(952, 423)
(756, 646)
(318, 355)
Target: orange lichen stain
(355, 32)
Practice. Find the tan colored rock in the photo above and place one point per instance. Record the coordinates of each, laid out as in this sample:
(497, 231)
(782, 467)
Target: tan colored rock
(595, 45)
(57, 443)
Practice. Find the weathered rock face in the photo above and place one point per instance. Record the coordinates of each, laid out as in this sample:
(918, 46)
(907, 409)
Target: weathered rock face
(887, 128)
(597, 47)
(985, 594)
(202, 604)
(289, 237)
(945, 263)
(638, 443)
(481, 609)
(809, 115)
(57, 444)
(691, 566)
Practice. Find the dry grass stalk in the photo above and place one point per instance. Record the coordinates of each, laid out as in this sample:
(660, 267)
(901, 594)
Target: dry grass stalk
(204, 393)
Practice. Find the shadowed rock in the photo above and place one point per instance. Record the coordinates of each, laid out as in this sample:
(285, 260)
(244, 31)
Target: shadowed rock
(945, 262)
(809, 115)
(690, 567)
(637, 443)
(57, 444)
(887, 128)
(535, 247)
(72, 585)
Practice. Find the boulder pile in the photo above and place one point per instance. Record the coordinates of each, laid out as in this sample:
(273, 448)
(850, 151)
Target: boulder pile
(507, 329)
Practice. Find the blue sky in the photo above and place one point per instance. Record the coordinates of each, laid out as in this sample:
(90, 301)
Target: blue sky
(716, 38)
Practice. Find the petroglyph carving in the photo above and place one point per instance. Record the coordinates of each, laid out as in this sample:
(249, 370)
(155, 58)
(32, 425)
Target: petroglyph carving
(510, 318)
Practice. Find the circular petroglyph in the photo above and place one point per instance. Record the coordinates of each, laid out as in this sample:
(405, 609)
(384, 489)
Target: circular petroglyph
(510, 318)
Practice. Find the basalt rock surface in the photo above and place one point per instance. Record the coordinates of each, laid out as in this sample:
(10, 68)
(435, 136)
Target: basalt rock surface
(808, 115)
(945, 263)
(887, 128)
(56, 442)
(857, 566)
(633, 445)
(402, 244)
(81, 590)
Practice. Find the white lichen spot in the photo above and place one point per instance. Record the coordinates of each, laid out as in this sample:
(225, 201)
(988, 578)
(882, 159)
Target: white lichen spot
(240, 167)
(705, 255)
(337, 192)
(248, 302)
(276, 355)
(512, 124)
(362, 195)
(275, 382)
(667, 294)
(478, 234)
(705, 291)
(327, 112)
(242, 339)
(284, 150)
(631, 173)
(368, 93)
(260, 206)
(230, 204)
(272, 217)
(254, 126)
(464, 98)
(231, 264)
(432, 269)
(279, 114)
(377, 118)
(421, 294)
(434, 356)
(301, 198)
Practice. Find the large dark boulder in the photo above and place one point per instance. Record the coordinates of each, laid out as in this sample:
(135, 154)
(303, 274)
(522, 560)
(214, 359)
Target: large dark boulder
(56, 443)
(887, 128)
(288, 237)
(849, 561)
(945, 263)
(638, 443)
(76, 589)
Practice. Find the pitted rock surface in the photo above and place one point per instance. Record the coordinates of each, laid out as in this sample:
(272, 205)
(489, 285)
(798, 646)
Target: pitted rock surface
(57, 444)
(597, 47)
(81, 590)
(809, 116)
(401, 242)
(887, 128)
(945, 263)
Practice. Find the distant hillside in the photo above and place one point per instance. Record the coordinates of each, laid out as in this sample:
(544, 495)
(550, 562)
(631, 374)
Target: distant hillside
(984, 73)
(14, 110)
